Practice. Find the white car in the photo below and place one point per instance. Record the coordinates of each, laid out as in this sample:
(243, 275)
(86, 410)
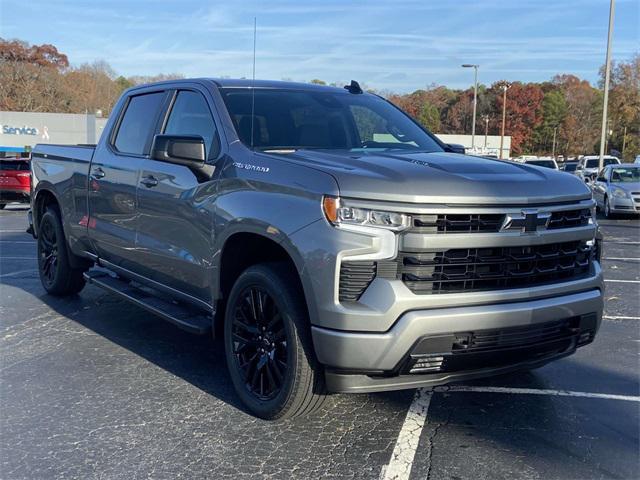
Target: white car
(637, 160)
(589, 165)
(543, 162)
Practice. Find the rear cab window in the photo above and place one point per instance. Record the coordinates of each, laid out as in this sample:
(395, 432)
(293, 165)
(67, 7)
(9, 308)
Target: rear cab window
(138, 123)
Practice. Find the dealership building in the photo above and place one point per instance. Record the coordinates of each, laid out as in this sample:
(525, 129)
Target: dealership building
(21, 131)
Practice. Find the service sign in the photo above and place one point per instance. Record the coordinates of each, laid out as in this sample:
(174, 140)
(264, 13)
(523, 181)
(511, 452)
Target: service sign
(24, 130)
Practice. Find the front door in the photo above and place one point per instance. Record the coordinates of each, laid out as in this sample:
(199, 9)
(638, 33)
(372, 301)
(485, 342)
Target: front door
(175, 226)
(113, 180)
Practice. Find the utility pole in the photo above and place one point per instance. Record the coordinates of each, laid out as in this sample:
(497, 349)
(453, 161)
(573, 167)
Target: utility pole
(505, 86)
(486, 129)
(624, 142)
(607, 75)
(475, 101)
(553, 150)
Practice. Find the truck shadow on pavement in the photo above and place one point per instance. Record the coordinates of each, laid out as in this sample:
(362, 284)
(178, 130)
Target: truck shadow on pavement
(574, 435)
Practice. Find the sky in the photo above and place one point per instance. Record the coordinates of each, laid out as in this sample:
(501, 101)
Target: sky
(388, 45)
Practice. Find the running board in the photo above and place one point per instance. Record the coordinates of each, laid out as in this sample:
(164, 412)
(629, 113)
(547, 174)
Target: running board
(186, 318)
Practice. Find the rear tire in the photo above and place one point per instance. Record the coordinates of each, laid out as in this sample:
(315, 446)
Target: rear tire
(56, 274)
(268, 344)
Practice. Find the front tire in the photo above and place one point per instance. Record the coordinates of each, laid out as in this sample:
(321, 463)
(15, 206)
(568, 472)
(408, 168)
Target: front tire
(268, 344)
(56, 274)
(607, 208)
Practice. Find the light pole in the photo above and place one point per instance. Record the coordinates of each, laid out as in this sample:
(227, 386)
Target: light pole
(607, 74)
(504, 87)
(475, 101)
(486, 129)
(553, 148)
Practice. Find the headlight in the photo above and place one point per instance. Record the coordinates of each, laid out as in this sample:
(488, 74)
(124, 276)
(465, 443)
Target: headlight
(620, 193)
(339, 212)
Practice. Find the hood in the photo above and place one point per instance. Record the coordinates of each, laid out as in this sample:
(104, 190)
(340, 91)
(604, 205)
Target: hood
(445, 178)
(627, 186)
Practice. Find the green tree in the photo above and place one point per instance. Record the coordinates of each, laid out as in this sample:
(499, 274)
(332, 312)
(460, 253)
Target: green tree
(554, 111)
(429, 117)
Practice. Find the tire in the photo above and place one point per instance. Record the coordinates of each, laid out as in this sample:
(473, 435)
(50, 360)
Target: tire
(267, 297)
(56, 275)
(607, 208)
(2, 205)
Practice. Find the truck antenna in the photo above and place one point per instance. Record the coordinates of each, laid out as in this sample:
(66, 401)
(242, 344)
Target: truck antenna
(253, 82)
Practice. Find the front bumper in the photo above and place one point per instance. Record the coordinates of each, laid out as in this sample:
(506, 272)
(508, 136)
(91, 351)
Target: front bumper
(364, 362)
(624, 205)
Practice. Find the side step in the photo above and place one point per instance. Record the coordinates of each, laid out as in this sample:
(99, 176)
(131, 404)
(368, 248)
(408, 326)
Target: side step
(185, 317)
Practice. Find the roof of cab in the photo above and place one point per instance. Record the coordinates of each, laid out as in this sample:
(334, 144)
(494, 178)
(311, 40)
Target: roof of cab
(246, 83)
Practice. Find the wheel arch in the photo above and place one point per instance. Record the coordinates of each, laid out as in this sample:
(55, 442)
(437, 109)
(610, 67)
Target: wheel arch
(243, 249)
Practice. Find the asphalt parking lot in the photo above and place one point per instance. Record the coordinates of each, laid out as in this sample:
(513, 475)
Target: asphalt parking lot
(94, 388)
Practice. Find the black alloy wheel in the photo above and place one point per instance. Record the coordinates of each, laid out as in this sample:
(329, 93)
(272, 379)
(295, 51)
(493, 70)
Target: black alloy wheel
(57, 275)
(48, 253)
(259, 343)
(268, 346)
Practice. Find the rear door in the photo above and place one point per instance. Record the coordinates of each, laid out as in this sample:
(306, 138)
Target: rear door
(113, 179)
(175, 228)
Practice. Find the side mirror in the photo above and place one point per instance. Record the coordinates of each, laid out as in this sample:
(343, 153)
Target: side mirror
(455, 148)
(187, 150)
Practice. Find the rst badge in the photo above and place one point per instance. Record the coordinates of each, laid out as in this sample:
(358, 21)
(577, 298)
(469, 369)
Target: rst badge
(529, 221)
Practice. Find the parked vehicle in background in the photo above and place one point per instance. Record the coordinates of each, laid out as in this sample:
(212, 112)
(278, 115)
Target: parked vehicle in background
(15, 181)
(570, 167)
(333, 242)
(617, 189)
(543, 162)
(524, 158)
(637, 160)
(588, 166)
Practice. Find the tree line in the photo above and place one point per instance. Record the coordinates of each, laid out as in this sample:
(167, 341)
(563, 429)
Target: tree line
(565, 112)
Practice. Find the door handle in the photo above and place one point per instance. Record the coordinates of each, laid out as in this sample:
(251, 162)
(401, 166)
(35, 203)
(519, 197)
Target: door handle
(98, 173)
(149, 181)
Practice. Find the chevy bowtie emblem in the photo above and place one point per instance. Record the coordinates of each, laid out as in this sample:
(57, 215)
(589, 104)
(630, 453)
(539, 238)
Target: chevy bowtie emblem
(529, 221)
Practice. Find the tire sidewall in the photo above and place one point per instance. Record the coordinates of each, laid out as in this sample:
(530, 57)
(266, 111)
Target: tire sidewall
(267, 279)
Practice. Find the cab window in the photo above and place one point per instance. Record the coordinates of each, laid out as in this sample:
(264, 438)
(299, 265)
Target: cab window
(137, 123)
(190, 115)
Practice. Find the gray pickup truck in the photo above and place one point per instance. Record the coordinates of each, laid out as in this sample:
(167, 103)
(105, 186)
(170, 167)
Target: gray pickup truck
(332, 242)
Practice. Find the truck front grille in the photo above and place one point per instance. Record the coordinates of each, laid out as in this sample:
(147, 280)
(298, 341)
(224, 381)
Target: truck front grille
(490, 222)
(476, 269)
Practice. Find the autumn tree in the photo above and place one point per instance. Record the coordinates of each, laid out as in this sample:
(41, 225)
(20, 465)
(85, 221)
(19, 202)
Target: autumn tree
(624, 107)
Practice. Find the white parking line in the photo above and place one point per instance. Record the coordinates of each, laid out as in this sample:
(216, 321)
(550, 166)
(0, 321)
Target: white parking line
(621, 258)
(14, 274)
(399, 467)
(23, 241)
(619, 317)
(622, 243)
(621, 281)
(404, 451)
(18, 258)
(535, 391)
(13, 231)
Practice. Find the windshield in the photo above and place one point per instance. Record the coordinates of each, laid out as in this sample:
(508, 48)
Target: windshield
(542, 163)
(595, 162)
(625, 175)
(307, 119)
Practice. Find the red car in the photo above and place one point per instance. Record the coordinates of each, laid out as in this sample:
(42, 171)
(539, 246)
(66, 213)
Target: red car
(15, 181)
